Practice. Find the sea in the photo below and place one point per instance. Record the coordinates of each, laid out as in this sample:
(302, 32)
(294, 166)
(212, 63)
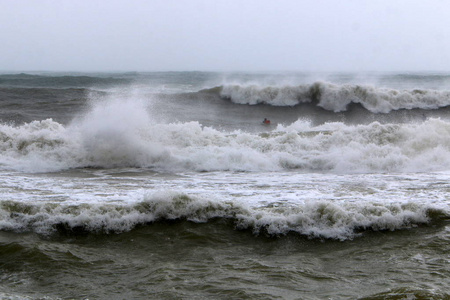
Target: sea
(168, 185)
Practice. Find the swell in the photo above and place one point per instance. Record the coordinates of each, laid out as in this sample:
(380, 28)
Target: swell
(20, 105)
(321, 219)
(65, 81)
(333, 97)
(20, 98)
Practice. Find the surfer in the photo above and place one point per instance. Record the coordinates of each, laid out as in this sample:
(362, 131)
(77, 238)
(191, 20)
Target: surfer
(266, 121)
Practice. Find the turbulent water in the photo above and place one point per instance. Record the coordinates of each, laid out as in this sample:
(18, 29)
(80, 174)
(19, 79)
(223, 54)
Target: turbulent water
(169, 186)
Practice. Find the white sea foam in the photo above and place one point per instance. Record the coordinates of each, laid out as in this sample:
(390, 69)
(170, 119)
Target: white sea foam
(120, 133)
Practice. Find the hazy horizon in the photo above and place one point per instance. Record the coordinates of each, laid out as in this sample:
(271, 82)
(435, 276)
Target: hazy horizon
(225, 36)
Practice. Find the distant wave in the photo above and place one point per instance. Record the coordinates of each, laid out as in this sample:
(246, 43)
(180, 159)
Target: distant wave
(322, 219)
(334, 97)
(77, 81)
(26, 93)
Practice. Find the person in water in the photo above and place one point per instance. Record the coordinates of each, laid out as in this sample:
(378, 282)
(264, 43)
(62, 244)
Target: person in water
(266, 121)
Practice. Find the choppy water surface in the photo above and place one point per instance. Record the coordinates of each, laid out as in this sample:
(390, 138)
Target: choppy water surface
(167, 186)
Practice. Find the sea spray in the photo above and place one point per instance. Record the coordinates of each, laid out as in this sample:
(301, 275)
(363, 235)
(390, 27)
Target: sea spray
(116, 132)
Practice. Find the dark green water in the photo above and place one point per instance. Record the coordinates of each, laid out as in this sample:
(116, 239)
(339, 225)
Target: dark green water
(184, 260)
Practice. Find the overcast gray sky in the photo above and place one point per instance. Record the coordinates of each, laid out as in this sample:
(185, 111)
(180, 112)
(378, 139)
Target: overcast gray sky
(225, 35)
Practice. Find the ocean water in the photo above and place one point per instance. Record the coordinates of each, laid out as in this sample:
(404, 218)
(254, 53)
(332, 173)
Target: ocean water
(169, 186)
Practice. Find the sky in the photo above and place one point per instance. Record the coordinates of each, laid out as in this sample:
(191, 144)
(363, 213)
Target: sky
(225, 35)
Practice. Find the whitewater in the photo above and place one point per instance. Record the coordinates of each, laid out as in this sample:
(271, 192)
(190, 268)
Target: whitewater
(346, 188)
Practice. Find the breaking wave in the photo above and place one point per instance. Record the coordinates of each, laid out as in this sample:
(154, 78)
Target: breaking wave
(336, 98)
(122, 134)
(321, 219)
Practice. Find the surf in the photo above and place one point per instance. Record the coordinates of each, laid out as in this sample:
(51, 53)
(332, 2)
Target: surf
(315, 219)
(335, 97)
(122, 133)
